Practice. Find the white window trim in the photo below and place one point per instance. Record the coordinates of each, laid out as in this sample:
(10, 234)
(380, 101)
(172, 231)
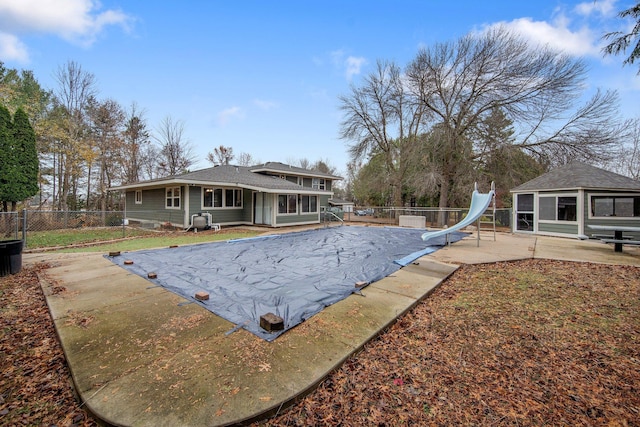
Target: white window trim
(318, 183)
(173, 197)
(611, 218)
(287, 213)
(138, 200)
(557, 221)
(224, 199)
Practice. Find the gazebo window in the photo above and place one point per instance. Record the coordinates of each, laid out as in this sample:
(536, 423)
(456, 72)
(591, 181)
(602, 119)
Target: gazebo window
(557, 208)
(615, 206)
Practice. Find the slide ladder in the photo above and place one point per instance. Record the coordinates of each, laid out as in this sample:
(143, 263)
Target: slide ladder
(480, 202)
(488, 218)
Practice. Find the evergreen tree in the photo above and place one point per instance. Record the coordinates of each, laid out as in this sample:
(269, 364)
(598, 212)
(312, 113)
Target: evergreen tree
(26, 157)
(18, 159)
(5, 155)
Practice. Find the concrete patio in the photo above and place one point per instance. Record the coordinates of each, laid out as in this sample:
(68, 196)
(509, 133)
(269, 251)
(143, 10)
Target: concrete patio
(142, 356)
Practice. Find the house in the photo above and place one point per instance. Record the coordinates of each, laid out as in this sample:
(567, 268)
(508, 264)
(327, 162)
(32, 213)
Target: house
(271, 194)
(566, 200)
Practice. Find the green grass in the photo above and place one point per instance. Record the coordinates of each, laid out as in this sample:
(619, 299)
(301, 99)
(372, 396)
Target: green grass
(136, 239)
(68, 237)
(150, 242)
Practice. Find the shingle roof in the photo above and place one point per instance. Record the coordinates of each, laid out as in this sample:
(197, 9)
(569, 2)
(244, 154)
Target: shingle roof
(240, 176)
(282, 168)
(579, 175)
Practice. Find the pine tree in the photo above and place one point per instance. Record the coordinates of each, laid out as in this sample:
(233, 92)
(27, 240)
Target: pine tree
(18, 159)
(5, 155)
(26, 157)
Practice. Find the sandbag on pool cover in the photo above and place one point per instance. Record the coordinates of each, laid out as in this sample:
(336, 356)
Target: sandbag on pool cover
(293, 275)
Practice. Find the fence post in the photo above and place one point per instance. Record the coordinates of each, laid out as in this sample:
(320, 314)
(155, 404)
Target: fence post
(24, 227)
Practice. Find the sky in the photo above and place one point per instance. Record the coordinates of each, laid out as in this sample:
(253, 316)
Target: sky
(265, 77)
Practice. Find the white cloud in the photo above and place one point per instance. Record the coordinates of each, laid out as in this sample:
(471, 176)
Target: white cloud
(352, 65)
(12, 49)
(601, 7)
(556, 34)
(228, 114)
(264, 105)
(77, 21)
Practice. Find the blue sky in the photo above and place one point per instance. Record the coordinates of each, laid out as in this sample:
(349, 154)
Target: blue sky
(264, 77)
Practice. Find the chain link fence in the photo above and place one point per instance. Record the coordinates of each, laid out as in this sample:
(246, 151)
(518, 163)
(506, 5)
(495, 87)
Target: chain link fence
(47, 229)
(10, 225)
(434, 217)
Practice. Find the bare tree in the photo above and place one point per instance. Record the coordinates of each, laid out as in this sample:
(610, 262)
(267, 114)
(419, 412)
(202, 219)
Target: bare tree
(382, 117)
(246, 159)
(107, 123)
(149, 162)
(324, 166)
(75, 88)
(462, 82)
(136, 140)
(620, 41)
(220, 155)
(628, 163)
(175, 151)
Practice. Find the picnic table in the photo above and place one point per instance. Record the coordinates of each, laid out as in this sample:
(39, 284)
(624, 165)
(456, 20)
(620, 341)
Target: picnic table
(618, 237)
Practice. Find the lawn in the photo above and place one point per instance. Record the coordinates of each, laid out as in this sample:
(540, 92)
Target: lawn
(107, 239)
(76, 236)
(526, 343)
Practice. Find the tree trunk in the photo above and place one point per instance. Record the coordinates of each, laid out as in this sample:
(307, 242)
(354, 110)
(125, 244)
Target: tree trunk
(444, 202)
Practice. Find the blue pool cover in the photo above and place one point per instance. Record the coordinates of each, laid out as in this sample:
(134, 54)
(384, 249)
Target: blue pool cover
(293, 275)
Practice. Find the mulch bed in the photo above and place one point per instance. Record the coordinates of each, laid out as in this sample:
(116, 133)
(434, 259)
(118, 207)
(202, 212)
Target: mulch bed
(522, 343)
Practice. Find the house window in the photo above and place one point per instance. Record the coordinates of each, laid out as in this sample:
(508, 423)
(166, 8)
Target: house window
(293, 179)
(172, 198)
(557, 208)
(618, 206)
(309, 204)
(232, 198)
(287, 204)
(138, 197)
(221, 197)
(524, 212)
(318, 183)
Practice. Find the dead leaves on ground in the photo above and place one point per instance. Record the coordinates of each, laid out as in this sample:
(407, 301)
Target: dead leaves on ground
(525, 343)
(35, 385)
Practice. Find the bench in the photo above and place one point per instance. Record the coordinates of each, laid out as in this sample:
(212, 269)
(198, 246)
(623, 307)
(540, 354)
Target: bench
(621, 241)
(618, 239)
(608, 236)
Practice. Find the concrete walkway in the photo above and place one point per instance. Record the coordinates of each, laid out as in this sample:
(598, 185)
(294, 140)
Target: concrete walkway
(142, 356)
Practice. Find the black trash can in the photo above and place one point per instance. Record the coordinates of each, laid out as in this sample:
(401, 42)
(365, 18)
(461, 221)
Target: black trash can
(10, 257)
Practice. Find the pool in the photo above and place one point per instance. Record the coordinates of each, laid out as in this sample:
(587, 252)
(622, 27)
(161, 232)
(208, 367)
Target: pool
(293, 275)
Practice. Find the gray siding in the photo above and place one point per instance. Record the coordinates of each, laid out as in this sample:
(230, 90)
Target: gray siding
(324, 200)
(153, 208)
(297, 219)
(218, 215)
(557, 228)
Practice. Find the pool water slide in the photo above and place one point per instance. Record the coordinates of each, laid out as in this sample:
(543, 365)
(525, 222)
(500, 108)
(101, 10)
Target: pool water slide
(480, 202)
